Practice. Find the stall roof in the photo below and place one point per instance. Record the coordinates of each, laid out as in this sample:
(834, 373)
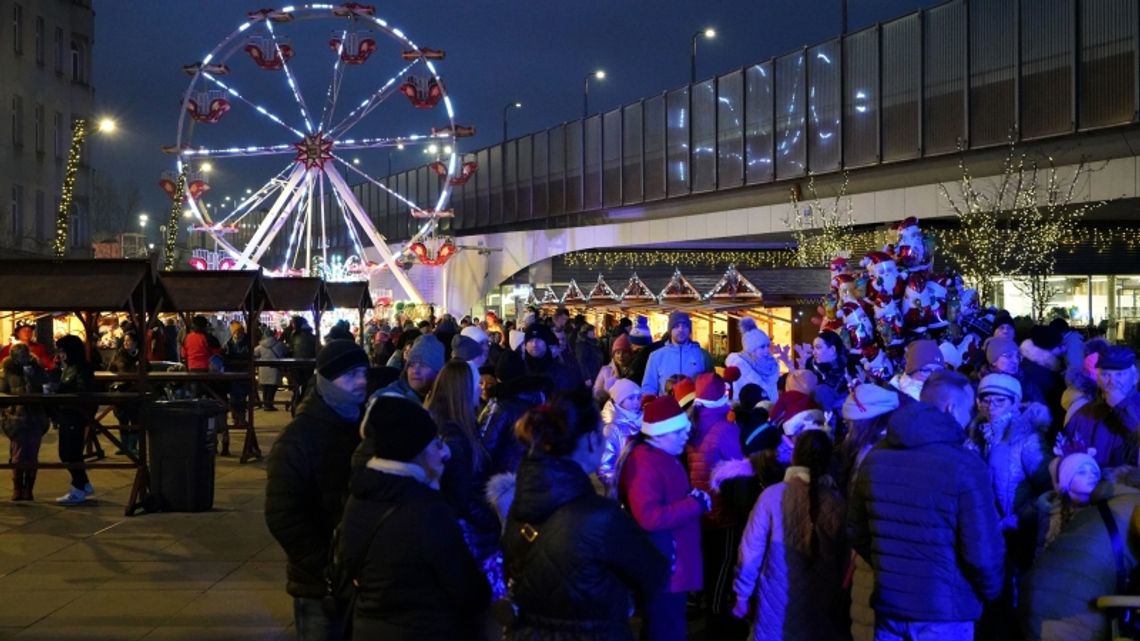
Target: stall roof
(210, 291)
(77, 285)
(294, 294)
(349, 295)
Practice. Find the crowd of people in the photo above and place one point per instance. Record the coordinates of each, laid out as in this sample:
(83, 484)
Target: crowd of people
(550, 481)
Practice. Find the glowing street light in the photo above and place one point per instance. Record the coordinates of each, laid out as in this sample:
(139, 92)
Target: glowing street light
(507, 107)
(600, 74)
(206, 167)
(107, 125)
(709, 34)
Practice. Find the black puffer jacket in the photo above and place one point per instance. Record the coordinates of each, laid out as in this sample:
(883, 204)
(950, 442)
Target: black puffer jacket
(308, 472)
(577, 575)
(463, 486)
(417, 580)
(923, 513)
(511, 400)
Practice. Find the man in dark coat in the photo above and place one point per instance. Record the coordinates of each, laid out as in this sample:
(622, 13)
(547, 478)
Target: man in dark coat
(1111, 422)
(588, 353)
(923, 514)
(308, 475)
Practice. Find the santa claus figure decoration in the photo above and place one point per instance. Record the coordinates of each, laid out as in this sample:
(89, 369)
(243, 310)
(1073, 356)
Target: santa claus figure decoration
(912, 248)
(883, 282)
(859, 332)
(888, 323)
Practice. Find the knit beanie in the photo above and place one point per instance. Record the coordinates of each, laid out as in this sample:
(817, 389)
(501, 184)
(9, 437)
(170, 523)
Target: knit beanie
(1003, 384)
(1046, 337)
(399, 428)
(621, 343)
(622, 389)
(464, 348)
(677, 317)
(640, 334)
(1003, 318)
(663, 415)
(340, 356)
(1117, 357)
(542, 333)
(685, 392)
(710, 391)
(868, 401)
(921, 353)
(751, 336)
(750, 396)
(803, 381)
(996, 347)
(427, 350)
(1068, 469)
(475, 333)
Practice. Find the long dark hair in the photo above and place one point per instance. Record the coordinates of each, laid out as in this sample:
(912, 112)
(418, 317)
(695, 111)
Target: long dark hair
(813, 451)
(73, 346)
(554, 428)
(452, 400)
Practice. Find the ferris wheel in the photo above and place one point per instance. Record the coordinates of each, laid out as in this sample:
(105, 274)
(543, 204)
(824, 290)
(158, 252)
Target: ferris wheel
(290, 101)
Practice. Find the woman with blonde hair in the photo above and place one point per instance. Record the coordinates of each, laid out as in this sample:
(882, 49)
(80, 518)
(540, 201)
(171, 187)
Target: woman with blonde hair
(452, 402)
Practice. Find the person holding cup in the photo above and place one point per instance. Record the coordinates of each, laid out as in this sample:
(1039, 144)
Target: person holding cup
(24, 425)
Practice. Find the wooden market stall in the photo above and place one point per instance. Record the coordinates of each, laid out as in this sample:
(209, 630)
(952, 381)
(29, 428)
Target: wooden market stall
(351, 295)
(87, 288)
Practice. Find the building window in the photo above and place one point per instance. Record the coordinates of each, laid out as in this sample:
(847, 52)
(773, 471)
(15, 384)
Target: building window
(18, 29)
(17, 212)
(40, 40)
(41, 215)
(39, 129)
(58, 50)
(57, 134)
(17, 121)
(77, 62)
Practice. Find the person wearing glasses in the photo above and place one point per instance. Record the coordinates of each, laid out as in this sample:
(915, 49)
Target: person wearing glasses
(1003, 356)
(1109, 424)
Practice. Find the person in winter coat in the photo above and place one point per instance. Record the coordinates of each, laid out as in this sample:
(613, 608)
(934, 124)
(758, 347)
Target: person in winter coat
(1080, 378)
(793, 547)
(268, 349)
(574, 558)
(755, 362)
(681, 355)
(1076, 478)
(832, 366)
(74, 376)
(510, 399)
(1041, 362)
(126, 361)
(237, 353)
(588, 354)
(618, 367)
(642, 343)
(540, 358)
(1110, 423)
(302, 344)
(625, 411)
(25, 332)
(866, 411)
(451, 404)
(1004, 357)
(922, 512)
(197, 348)
(654, 485)
(424, 360)
(714, 438)
(415, 578)
(1058, 595)
(24, 425)
(923, 358)
(308, 477)
(739, 482)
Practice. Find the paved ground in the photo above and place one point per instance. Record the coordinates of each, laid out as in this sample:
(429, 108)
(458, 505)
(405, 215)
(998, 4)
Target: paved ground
(88, 572)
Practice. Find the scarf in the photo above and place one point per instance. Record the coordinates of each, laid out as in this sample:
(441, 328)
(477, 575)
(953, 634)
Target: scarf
(346, 404)
(765, 367)
(400, 468)
(624, 417)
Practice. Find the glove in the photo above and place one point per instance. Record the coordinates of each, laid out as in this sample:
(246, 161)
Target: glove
(702, 498)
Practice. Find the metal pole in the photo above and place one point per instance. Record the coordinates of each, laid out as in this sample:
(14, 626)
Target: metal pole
(505, 108)
(693, 59)
(586, 97)
(843, 24)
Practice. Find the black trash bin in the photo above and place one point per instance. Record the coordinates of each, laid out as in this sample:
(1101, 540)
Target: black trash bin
(182, 449)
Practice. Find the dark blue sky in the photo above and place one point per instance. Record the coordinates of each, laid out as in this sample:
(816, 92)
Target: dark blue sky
(497, 51)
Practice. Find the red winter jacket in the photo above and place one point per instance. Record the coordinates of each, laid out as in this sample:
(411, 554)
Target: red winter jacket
(656, 488)
(714, 439)
(197, 351)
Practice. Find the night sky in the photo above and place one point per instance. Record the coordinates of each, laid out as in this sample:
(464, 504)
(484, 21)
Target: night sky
(497, 52)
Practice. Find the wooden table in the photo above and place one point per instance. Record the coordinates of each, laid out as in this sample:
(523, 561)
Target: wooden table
(140, 488)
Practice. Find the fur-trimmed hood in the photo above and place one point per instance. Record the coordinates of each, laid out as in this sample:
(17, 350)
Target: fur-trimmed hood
(1044, 358)
(729, 469)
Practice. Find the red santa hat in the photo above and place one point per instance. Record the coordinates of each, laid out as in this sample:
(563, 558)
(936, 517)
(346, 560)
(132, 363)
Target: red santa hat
(662, 416)
(711, 390)
(796, 411)
(684, 392)
(838, 263)
(909, 221)
(876, 258)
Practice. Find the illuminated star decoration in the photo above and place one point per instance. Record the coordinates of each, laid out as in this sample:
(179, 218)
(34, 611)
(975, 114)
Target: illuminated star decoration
(314, 151)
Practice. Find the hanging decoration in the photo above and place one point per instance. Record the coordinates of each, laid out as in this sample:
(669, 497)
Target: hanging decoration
(207, 106)
(443, 250)
(734, 286)
(354, 48)
(679, 289)
(423, 93)
(268, 54)
(172, 220)
(466, 171)
(206, 260)
(62, 217)
(196, 184)
(573, 294)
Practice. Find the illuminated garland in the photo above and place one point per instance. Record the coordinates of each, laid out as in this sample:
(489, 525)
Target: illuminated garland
(821, 233)
(172, 224)
(62, 217)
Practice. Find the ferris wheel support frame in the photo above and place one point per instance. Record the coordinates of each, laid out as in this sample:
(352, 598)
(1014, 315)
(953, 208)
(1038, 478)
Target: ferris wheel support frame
(274, 213)
(342, 188)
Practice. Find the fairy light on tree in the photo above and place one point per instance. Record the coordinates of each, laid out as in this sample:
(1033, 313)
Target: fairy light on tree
(62, 217)
(172, 224)
(821, 233)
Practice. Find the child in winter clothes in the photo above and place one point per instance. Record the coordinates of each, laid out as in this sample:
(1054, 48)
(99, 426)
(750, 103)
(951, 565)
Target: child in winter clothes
(1077, 476)
(624, 410)
(792, 547)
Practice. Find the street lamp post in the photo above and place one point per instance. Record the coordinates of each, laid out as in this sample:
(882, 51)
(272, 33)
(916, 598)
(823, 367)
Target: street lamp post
(507, 107)
(709, 34)
(598, 75)
(78, 135)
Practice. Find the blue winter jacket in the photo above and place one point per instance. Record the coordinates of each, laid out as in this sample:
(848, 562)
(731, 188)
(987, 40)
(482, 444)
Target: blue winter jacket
(689, 359)
(923, 513)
